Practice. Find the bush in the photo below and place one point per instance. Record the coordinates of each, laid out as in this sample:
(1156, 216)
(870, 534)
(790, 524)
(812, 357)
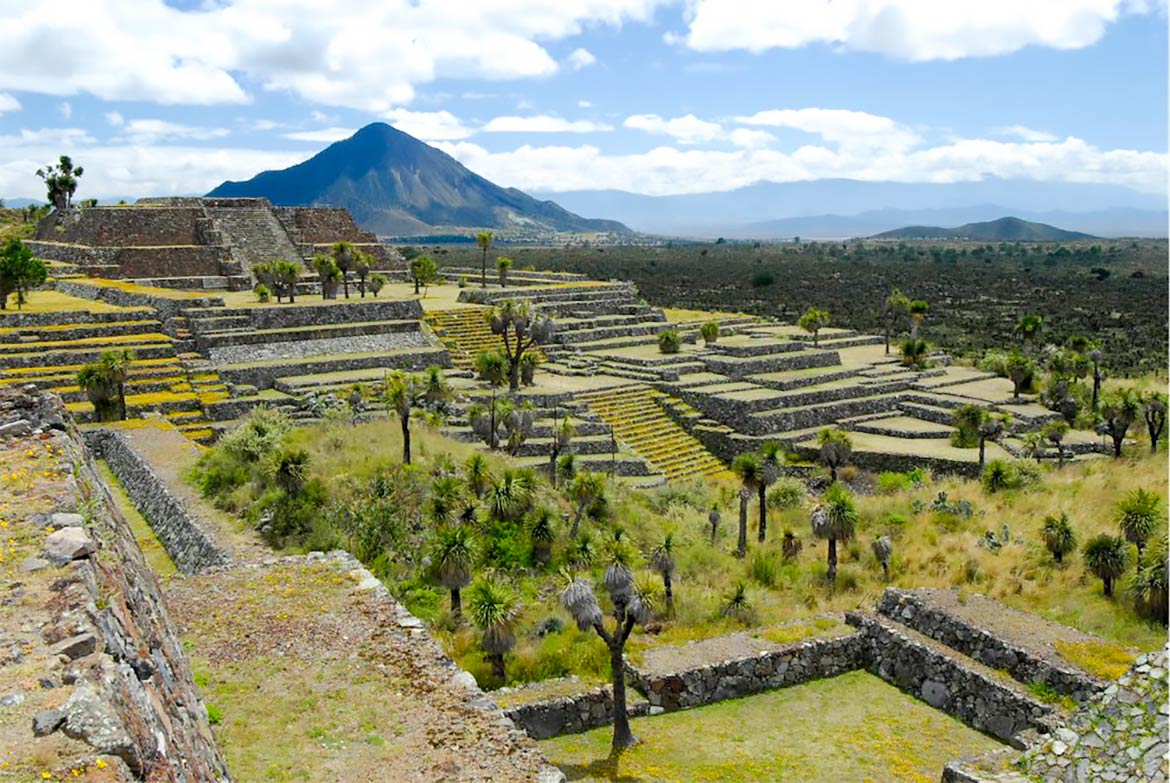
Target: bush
(785, 493)
(214, 714)
(764, 569)
(893, 523)
(1000, 476)
(763, 279)
(669, 341)
(891, 483)
(263, 293)
(710, 332)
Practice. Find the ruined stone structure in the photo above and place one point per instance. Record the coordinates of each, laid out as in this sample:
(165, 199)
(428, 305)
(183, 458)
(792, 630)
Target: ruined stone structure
(196, 243)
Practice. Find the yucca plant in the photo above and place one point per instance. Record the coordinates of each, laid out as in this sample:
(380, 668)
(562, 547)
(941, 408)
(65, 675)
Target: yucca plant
(494, 608)
(1106, 557)
(1058, 535)
(1139, 515)
(452, 559)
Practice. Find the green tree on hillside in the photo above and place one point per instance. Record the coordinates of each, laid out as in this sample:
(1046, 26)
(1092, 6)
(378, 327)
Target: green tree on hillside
(1119, 410)
(484, 240)
(104, 382)
(835, 519)
(403, 392)
(836, 449)
(1106, 557)
(1140, 515)
(1028, 328)
(423, 272)
(452, 559)
(813, 321)
(61, 182)
(345, 257)
(747, 468)
(520, 329)
(494, 609)
(1059, 537)
(1154, 411)
(1020, 371)
(897, 305)
(918, 310)
(503, 264)
(19, 271)
(662, 560)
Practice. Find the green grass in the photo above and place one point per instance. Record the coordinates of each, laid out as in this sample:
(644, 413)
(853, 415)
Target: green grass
(850, 728)
(1104, 660)
(152, 549)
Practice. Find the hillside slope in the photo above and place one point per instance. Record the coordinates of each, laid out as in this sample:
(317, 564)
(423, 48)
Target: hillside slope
(1006, 229)
(392, 183)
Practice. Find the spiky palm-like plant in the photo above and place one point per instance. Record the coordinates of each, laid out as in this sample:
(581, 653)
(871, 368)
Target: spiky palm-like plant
(477, 473)
(540, 529)
(402, 392)
(836, 449)
(1154, 411)
(835, 519)
(662, 560)
(452, 559)
(1106, 557)
(512, 494)
(750, 473)
(713, 520)
(446, 498)
(484, 240)
(771, 460)
(1149, 583)
(1119, 410)
(883, 548)
(813, 321)
(494, 608)
(584, 490)
(897, 305)
(918, 310)
(1059, 536)
(578, 597)
(1139, 515)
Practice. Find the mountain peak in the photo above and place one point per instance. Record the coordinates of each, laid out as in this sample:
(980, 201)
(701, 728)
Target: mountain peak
(1004, 229)
(392, 183)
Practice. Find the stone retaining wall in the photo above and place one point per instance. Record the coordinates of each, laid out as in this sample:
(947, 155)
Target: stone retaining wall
(790, 665)
(171, 261)
(167, 307)
(262, 376)
(573, 714)
(190, 545)
(906, 659)
(911, 610)
(126, 226)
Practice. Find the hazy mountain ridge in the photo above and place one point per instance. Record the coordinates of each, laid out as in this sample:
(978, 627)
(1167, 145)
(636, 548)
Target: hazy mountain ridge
(392, 183)
(1006, 229)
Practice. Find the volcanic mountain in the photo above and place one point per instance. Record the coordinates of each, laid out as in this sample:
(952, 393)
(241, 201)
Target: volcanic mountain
(1006, 229)
(392, 183)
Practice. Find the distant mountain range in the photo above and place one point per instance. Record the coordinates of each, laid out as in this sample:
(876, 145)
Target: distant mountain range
(843, 208)
(394, 184)
(1007, 229)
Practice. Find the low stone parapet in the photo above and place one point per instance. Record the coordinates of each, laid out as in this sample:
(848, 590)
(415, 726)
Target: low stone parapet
(568, 713)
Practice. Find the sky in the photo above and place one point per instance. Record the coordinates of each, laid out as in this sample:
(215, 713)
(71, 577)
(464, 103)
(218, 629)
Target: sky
(647, 96)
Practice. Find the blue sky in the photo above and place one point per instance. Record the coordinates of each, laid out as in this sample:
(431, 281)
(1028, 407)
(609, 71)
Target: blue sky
(650, 96)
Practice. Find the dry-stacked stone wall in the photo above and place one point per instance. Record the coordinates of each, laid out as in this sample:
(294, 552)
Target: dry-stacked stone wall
(126, 684)
(190, 544)
(573, 714)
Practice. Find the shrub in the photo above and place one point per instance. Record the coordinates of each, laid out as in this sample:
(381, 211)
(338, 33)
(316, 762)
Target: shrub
(710, 332)
(763, 279)
(764, 569)
(263, 293)
(1058, 536)
(1149, 583)
(214, 714)
(999, 475)
(669, 341)
(785, 493)
(891, 483)
(893, 523)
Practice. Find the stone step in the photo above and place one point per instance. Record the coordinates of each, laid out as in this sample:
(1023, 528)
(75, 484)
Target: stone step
(263, 374)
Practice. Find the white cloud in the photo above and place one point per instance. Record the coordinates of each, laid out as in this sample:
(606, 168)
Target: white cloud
(151, 131)
(320, 116)
(686, 130)
(128, 170)
(361, 55)
(429, 125)
(667, 170)
(66, 109)
(854, 128)
(322, 134)
(8, 103)
(905, 29)
(580, 58)
(584, 104)
(115, 119)
(543, 123)
(746, 137)
(1025, 133)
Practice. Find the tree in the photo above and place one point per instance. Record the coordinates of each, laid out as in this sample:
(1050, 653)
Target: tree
(813, 321)
(1054, 432)
(662, 560)
(584, 490)
(1107, 558)
(1149, 583)
(494, 608)
(423, 272)
(836, 450)
(345, 257)
(835, 519)
(1154, 411)
(452, 559)
(1095, 357)
(914, 353)
(541, 532)
(484, 240)
(897, 305)
(628, 610)
(403, 391)
(883, 548)
(19, 271)
(1119, 409)
(1028, 328)
(918, 310)
(285, 276)
(1140, 515)
(519, 329)
(967, 420)
(104, 382)
(991, 429)
(1020, 370)
(61, 182)
(503, 264)
(747, 468)
(377, 283)
(771, 459)
(562, 435)
(362, 264)
(328, 273)
(477, 474)
(1059, 536)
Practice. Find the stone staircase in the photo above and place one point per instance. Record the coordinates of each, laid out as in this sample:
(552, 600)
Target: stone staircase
(465, 333)
(252, 231)
(640, 422)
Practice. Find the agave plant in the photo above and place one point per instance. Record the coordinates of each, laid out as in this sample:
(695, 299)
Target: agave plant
(494, 608)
